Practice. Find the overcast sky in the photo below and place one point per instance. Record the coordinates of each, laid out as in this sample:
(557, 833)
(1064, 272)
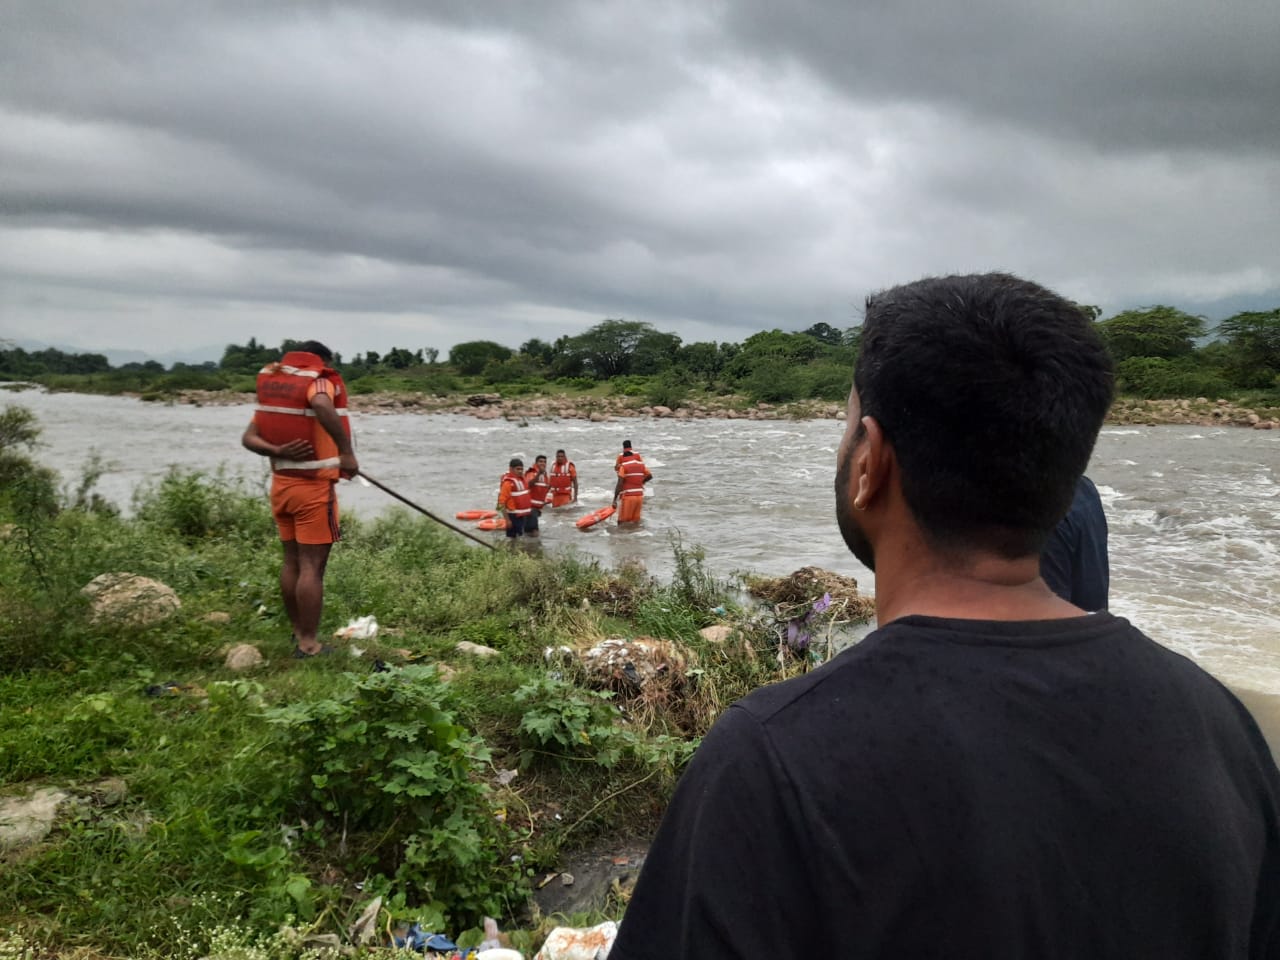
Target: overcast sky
(176, 176)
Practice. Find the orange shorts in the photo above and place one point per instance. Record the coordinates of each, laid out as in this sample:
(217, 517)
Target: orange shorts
(629, 508)
(305, 510)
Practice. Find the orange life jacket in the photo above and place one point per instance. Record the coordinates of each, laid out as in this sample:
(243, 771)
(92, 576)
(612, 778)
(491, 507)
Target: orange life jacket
(537, 488)
(283, 413)
(633, 473)
(562, 475)
(514, 494)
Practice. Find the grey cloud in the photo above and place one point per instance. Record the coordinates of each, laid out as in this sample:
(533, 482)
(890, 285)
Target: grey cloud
(709, 167)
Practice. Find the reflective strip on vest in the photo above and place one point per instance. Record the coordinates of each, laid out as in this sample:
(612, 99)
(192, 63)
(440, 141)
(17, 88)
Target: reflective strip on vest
(329, 463)
(340, 411)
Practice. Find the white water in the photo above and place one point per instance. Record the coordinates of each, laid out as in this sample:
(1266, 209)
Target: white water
(1194, 511)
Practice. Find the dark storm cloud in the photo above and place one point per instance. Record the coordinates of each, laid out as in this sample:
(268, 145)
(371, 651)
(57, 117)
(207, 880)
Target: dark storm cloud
(1138, 74)
(520, 169)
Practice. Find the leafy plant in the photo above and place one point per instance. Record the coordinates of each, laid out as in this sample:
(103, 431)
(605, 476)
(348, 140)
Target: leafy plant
(387, 759)
(565, 719)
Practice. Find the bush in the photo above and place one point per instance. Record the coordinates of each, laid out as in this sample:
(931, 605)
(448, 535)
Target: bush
(1156, 377)
(775, 381)
(387, 759)
(668, 390)
(27, 490)
(195, 506)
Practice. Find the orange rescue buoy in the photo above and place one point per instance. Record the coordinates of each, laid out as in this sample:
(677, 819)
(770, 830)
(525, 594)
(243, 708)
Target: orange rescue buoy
(475, 514)
(594, 517)
(493, 523)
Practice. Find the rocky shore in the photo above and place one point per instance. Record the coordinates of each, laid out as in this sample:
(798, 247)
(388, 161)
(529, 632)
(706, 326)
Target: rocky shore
(496, 406)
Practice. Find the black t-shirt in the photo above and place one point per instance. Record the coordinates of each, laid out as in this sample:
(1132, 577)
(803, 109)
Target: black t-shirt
(1074, 561)
(973, 789)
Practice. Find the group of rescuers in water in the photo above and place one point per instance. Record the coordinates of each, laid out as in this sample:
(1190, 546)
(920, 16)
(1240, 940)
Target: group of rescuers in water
(523, 494)
(1001, 769)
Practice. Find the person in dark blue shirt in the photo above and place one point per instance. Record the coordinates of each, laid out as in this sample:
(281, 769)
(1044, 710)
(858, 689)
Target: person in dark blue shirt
(1074, 561)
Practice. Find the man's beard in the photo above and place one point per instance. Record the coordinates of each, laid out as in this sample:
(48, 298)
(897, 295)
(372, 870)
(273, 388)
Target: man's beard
(847, 517)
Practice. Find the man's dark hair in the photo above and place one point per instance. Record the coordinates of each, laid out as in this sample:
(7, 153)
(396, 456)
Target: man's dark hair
(516, 462)
(558, 452)
(318, 348)
(991, 390)
(626, 444)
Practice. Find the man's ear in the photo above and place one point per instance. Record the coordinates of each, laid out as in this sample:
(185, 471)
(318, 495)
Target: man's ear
(872, 464)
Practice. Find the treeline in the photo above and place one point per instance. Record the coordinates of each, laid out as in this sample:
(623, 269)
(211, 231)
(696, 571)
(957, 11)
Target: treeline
(1160, 351)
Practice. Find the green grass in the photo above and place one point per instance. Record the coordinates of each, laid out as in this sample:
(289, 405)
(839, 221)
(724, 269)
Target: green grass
(196, 822)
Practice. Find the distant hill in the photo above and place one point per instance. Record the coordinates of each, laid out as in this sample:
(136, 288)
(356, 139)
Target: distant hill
(194, 355)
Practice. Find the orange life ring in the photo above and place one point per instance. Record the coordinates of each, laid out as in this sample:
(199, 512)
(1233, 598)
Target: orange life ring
(594, 517)
(475, 514)
(493, 523)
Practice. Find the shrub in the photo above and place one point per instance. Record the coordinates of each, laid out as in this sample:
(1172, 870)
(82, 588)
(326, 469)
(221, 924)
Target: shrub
(386, 759)
(195, 506)
(1156, 377)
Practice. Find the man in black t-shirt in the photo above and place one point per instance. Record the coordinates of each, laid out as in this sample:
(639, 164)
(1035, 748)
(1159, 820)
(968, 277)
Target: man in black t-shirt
(992, 773)
(1074, 562)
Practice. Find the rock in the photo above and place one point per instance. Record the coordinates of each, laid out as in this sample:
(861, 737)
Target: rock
(661, 411)
(1253, 419)
(475, 649)
(7, 530)
(598, 417)
(217, 616)
(717, 633)
(243, 656)
(579, 943)
(628, 665)
(445, 672)
(110, 792)
(130, 599)
(483, 399)
(1264, 425)
(25, 821)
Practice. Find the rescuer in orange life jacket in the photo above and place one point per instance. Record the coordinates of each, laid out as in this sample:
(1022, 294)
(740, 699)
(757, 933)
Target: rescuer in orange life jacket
(564, 481)
(515, 502)
(632, 476)
(301, 423)
(539, 485)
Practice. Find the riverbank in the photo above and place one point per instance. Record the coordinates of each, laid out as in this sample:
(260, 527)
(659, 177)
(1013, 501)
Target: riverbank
(497, 406)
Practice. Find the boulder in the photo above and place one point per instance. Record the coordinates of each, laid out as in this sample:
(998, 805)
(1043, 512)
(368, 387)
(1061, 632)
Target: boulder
(127, 598)
(243, 656)
(475, 649)
(25, 821)
(717, 633)
(483, 399)
(220, 617)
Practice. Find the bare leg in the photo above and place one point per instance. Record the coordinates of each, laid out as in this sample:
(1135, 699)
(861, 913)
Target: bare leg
(289, 583)
(309, 594)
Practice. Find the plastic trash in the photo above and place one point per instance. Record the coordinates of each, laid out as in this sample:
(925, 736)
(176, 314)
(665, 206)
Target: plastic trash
(579, 943)
(415, 938)
(361, 628)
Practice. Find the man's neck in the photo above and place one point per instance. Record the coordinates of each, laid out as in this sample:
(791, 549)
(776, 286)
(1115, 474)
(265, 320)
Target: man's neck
(975, 587)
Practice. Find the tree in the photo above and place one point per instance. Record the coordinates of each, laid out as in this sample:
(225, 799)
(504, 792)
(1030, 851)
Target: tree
(608, 349)
(1253, 340)
(825, 333)
(470, 358)
(1158, 331)
(539, 350)
(655, 353)
(703, 358)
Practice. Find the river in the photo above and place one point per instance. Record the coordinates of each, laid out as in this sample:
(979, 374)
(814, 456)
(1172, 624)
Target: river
(1194, 512)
